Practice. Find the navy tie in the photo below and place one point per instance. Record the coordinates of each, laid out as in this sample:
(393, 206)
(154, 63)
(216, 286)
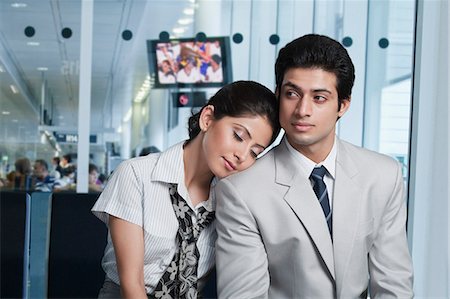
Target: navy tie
(320, 189)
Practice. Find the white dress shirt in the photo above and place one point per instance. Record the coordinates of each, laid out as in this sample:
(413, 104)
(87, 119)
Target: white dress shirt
(306, 166)
(138, 192)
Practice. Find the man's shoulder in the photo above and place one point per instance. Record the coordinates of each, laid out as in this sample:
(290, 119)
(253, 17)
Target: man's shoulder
(261, 169)
(365, 158)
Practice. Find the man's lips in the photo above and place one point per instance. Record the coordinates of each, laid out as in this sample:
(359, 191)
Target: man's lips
(229, 165)
(302, 126)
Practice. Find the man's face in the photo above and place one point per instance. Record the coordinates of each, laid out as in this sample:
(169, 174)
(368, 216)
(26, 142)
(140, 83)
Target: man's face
(309, 110)
(39, 170)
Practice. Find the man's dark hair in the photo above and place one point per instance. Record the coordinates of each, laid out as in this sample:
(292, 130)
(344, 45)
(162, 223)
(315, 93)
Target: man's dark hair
(321, 52)
(42, 162)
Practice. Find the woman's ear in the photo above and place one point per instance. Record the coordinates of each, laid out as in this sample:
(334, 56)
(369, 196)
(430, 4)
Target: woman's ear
(206, 117)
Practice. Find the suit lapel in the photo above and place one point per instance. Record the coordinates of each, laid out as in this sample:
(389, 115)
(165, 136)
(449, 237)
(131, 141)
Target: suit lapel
(346, 207)
(303, 202)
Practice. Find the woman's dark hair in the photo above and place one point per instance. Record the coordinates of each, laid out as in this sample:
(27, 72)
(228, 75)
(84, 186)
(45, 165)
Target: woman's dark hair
(318, 51)
(68, 158)
(240, 99)
(92, 167)
(23, 166)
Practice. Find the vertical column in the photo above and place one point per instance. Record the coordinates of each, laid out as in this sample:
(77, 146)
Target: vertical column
(158, 102)
(42, 122)
(84, 102)
(240, 53)
(262, 52)
(204, 22)
(428, 217)
(355, 25)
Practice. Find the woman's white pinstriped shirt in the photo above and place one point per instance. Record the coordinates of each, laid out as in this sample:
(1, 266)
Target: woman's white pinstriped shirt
(138, 192)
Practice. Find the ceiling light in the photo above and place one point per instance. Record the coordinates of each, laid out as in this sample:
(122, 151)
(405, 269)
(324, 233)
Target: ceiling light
(6, 112)
(15, 121)
(178, 30)
(33, 44)
(42, 68)
(1, 69)
(13, 89)
(119, 129)
(128, 115)
(185, 21)
(18, 5)
(188, 11)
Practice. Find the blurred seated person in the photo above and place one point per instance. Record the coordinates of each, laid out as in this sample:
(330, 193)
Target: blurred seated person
(66, 161)
(67, 181)
(95, 185)
(3, 182)
(56, 170)
(43, 181)
(189, 73)
(214, 72)
(165, 73)
(20, 178)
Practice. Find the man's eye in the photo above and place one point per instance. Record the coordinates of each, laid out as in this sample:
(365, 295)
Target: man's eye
(320, 98)
(290, 94)
(254, 155)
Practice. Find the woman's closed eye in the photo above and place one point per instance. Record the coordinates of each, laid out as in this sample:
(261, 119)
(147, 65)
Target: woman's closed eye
(237, 136)
(253, 152)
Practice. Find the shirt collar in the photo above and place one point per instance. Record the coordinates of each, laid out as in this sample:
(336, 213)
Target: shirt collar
(169, 169)
(306, 165)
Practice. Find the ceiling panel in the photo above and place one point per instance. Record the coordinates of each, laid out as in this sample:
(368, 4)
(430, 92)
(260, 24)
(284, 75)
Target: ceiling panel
(119, 67)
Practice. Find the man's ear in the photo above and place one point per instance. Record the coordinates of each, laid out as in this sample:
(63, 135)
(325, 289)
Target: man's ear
(206, 117)
(345, 104)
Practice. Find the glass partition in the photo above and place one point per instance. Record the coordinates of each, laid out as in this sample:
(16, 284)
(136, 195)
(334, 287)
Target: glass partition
(40, 50)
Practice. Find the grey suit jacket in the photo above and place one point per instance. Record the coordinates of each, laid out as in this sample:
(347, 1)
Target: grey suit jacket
(273, 240)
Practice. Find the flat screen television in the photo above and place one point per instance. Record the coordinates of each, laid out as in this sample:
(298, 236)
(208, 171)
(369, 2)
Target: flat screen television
(188, 62)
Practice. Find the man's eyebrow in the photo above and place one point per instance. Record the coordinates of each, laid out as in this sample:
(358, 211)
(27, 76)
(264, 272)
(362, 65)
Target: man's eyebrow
(249, 135)
(290, 84)
(295, 86)
(322, 90)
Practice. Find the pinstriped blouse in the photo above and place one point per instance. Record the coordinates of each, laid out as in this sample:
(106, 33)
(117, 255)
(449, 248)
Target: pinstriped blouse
(138, 192)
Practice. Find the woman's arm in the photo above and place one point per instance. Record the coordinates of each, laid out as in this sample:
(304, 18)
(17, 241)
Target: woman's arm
(128, 241)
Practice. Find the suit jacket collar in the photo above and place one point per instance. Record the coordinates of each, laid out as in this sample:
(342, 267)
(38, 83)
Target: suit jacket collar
(303, 202)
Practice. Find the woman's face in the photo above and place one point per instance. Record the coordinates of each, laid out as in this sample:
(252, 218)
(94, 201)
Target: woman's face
(93, 176)
(232, 144)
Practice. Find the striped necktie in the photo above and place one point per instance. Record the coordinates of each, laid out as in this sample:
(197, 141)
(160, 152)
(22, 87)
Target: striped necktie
(320, 189)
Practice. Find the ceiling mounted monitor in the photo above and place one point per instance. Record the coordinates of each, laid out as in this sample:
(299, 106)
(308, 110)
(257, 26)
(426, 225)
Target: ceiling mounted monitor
(188, 62)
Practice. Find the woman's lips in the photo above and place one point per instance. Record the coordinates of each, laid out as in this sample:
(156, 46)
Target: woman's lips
(228, 165)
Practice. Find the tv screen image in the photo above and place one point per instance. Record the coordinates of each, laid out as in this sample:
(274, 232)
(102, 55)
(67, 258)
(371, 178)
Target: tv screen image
(189, 62)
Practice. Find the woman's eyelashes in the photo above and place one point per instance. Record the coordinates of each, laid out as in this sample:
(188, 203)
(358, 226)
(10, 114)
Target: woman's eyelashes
(237, 136)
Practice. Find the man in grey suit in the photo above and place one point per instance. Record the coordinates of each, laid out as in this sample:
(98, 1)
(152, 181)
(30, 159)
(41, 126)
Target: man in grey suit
(316, 217)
